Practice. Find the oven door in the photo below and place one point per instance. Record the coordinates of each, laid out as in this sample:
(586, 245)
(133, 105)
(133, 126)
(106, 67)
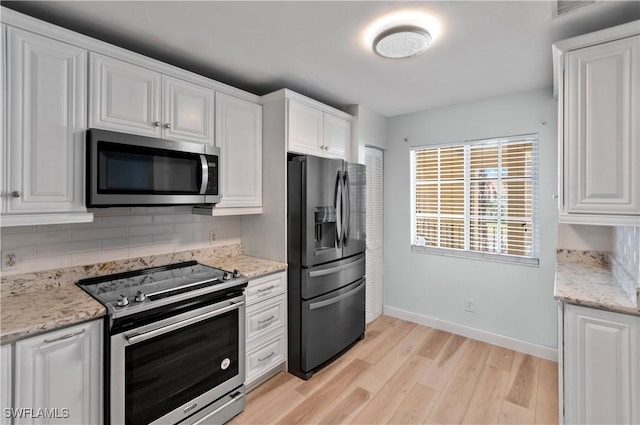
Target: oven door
(168, 370)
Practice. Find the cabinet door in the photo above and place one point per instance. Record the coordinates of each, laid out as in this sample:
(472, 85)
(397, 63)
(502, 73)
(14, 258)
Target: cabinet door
(305, 129)
(187, 111)
(46, 119)
(6, 384)
(601, 356)
(62, 370)
(3, 117)
(124, 97)
(337, 136)
(239, 136)
(603, 138)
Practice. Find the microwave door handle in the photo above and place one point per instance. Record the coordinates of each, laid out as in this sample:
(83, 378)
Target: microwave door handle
(205, 174)
(337, 202)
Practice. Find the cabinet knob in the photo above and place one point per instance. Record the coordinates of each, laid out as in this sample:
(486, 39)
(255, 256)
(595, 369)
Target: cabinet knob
(16, 194)
(167, 125)
(156, 123)
(555, 196)
(326, 148)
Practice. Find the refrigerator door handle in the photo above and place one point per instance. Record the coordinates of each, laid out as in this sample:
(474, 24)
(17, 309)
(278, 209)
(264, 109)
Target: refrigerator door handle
(346, 227)
(338, 205)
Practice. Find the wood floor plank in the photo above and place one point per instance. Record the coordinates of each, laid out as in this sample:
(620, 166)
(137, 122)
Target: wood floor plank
(456, 396)
(374, 352)
(416, 406)
(377, 375)
(512, 414)
(466, 381)
(523, 381)
(431, 347)
(445, 363)
(382, 406)
(347, 408)
(547, 401)
(315, 404)
(501, 358)
(486, 403)
(269, 407)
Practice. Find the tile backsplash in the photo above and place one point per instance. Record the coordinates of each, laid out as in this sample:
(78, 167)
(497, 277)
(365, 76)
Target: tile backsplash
(626, 251)
(585, 238)
(116, 234)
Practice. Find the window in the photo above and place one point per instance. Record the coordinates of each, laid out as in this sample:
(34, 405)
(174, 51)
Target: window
(476, 199)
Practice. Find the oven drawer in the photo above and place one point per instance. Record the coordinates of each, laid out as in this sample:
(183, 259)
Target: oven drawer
(265, 354)
(265, 316)
(266, 287)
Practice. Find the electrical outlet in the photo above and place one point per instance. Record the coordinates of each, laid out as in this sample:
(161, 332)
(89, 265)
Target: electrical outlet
(212, 236)
(10, 260)
(469, 304)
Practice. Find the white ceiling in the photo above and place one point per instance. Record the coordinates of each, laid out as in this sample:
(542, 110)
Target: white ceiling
(485, 49)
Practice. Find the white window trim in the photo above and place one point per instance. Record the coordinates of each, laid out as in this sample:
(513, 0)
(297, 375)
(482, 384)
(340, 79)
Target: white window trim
(534, 260)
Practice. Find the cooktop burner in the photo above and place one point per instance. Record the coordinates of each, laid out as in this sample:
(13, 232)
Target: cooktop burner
(134, 291)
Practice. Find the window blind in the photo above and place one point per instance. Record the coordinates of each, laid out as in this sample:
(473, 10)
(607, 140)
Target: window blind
(478, 196)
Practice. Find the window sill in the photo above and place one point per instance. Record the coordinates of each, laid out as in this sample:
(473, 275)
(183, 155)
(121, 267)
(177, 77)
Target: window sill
(485, 256)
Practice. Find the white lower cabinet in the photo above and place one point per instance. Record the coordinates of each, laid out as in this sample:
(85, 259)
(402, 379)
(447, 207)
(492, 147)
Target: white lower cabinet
(61, 373)
(601, 367)
(266, 328)
(6, 382)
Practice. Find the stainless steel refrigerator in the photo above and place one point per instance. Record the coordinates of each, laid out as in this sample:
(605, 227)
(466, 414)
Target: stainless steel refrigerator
(326, 244)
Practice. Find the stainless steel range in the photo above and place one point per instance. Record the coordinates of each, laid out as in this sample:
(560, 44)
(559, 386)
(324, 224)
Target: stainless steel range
(175, 352)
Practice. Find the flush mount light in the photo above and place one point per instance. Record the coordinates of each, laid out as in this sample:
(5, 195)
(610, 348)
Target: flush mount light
(402, 41)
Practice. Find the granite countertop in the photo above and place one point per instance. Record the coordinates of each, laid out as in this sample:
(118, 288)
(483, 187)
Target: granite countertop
(248, 266)
(38, 302)
(585, 278)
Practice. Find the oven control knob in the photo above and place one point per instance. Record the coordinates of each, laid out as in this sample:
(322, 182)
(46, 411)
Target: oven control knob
(236, 273)
(226, 276)
(123, 301)
(140, 296)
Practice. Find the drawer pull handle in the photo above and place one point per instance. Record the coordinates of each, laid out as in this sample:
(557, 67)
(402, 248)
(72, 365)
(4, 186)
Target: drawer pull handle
(273, 353)
(270, 319)
(67, 336)
(268, 289)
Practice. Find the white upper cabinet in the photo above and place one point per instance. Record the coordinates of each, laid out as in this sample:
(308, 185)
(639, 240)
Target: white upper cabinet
(239, 136)
(600, 129)
(133, 99)
(313, 131)
(337, 136)
(305, 129)
(187, 111)
(124, 97)
(45, 119)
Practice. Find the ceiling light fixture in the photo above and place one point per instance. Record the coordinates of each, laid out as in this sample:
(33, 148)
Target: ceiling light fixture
(403, 41)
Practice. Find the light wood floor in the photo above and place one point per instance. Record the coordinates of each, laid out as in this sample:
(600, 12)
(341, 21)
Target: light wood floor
(403, 373)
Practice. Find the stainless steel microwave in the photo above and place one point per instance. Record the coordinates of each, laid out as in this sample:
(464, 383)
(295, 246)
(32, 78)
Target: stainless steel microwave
(131, 170)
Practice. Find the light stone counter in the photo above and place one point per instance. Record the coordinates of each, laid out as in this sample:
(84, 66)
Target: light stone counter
(33, 303)
(248, 266)
(585, 278)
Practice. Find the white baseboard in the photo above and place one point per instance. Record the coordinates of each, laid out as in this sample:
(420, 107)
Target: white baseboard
(491, 338)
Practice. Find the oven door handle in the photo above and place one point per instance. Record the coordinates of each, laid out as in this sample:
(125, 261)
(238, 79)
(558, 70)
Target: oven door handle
(136, 338)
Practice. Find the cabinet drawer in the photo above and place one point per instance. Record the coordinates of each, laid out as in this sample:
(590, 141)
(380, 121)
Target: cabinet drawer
(265, 355)
(266, 287)
(265, 316)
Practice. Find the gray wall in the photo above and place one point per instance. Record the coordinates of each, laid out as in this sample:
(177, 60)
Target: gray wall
(510, 300)
(369, 128)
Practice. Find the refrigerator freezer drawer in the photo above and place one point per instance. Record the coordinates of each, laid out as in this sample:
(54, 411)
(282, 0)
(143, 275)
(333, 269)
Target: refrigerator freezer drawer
(323, 279)
(332, 323)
